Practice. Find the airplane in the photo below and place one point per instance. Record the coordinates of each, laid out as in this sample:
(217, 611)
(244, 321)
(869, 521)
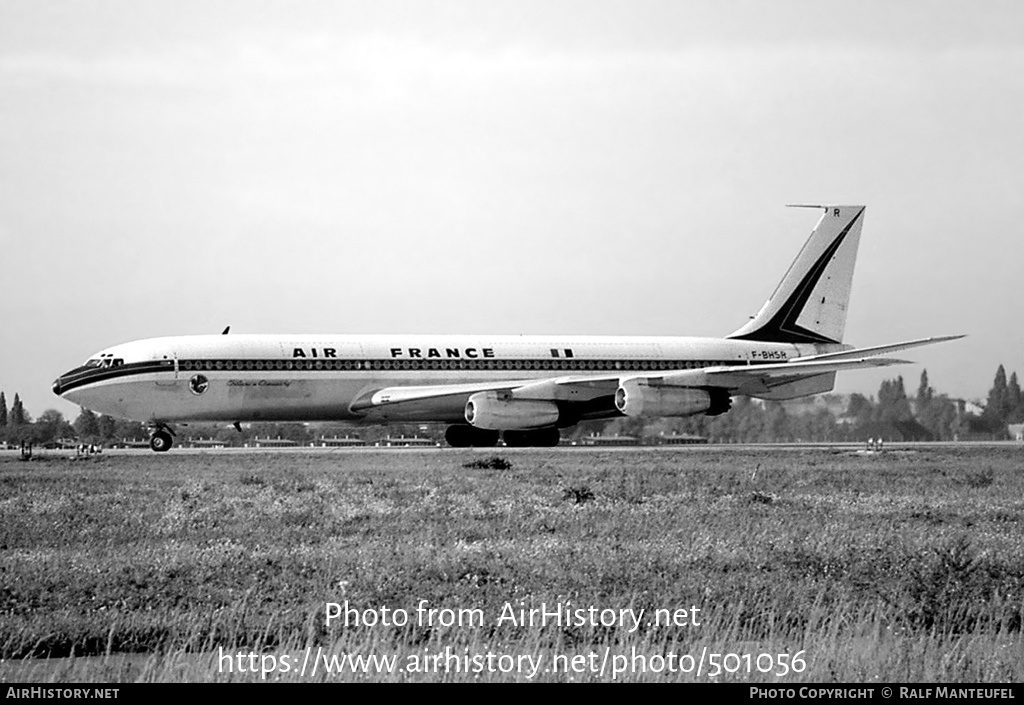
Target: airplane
(523, 389)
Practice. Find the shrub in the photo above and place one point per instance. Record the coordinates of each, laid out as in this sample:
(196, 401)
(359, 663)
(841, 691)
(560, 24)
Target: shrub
(579, 494)
(495, 462)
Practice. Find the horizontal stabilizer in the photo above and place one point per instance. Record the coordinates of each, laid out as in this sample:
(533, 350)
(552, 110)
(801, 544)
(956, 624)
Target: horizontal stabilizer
(876, 350)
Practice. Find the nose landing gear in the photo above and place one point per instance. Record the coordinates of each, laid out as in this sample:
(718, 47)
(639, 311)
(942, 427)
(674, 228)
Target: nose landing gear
(161, 438)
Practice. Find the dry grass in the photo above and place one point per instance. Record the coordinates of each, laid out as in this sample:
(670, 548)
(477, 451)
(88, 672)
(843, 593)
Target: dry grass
(904, 566)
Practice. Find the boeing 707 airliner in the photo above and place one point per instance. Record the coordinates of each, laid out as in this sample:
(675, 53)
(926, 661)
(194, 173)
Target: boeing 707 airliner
(523, 389)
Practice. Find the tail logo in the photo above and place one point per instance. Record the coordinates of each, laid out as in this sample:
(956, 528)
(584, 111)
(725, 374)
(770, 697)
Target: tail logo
(782, 326)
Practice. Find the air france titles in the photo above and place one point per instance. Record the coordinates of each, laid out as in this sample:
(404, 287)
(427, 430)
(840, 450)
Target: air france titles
(324, 352)
(417, 353)
(451, 353)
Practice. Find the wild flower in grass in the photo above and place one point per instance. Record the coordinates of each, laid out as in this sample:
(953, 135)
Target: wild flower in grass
(758, 497)
(578, 494)
(982, 478)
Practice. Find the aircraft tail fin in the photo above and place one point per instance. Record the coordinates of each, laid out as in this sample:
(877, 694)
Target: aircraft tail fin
(809, 304)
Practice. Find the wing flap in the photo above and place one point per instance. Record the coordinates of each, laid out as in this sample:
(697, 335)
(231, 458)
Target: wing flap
(397, 395)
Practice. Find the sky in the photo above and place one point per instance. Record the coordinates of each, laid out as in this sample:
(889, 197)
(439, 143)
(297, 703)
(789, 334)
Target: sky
(606, 168)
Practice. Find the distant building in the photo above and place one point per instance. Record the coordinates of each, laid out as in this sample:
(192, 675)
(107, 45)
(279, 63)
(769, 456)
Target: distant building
(130, 443)
(681, 439)
(206, 443)
(335, 442)
(406, 442)
(598, 440)
(972, 407)
(271, 443)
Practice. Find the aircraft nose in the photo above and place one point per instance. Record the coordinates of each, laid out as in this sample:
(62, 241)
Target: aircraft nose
(56, 387)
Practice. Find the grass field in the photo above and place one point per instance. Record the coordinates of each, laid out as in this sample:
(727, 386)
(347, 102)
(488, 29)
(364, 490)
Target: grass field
(901, 566)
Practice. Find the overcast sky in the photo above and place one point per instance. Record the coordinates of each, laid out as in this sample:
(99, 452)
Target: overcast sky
(503, 167)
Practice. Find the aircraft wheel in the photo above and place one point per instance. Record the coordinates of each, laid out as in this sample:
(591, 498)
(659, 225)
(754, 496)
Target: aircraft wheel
(540, 438)
(546, 438)
(161, 441)
(470, 437)
(485, 438)
(457, 436)
(516, 439)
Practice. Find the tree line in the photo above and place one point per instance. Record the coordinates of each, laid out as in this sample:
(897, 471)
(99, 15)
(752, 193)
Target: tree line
(17, 426)
(893, 415)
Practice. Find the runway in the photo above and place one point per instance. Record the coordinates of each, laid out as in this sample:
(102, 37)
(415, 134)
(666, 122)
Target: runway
(694, 449)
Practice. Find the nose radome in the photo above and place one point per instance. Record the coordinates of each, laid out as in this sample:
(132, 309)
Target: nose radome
(56, 387)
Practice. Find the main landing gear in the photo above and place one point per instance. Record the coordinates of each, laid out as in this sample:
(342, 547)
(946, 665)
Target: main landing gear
(539, 438)
(161, 438)
(472, 437)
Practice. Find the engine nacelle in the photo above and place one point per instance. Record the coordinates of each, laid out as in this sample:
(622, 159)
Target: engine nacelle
(489, 410)
(633, 398)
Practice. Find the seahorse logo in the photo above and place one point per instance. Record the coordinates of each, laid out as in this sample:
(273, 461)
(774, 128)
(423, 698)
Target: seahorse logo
(198, 384)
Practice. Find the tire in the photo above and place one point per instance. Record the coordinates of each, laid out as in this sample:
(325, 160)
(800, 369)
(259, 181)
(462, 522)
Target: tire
(161, 441)
(470, 437)
(540, 438)
(546, 438)
(516, 439)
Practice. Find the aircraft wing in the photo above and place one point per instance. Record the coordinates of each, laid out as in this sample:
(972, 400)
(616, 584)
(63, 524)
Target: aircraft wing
(735, 378)
(750, 379)
(741, 379)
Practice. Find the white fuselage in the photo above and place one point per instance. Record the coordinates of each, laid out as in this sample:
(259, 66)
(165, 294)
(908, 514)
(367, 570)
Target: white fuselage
(331, 377)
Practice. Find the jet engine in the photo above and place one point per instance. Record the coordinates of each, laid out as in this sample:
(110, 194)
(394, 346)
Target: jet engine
(491, 411)
(634, 398)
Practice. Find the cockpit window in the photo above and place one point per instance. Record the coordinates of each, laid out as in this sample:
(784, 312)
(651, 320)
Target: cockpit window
(104, 362)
